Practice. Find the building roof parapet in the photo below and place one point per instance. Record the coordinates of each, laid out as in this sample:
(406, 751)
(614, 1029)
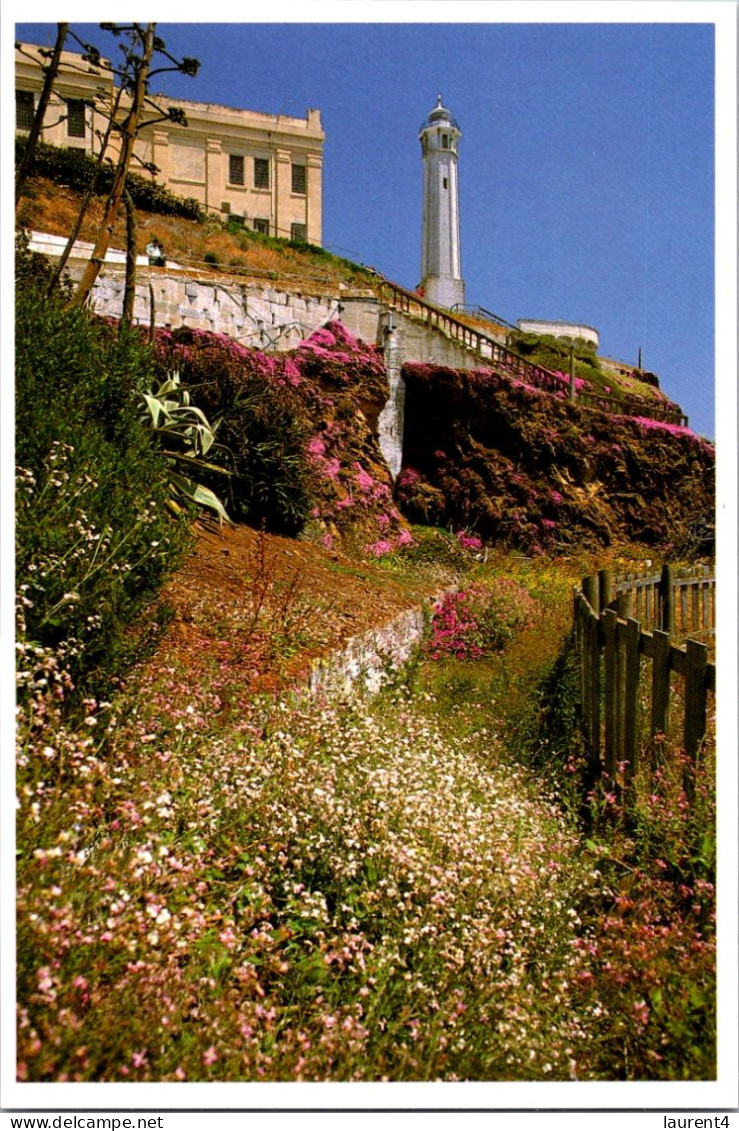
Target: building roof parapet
(311, 123)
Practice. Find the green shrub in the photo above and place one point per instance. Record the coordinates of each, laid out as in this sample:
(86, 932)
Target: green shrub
(554, 353)
(263, 426)
(76, 168)
(94, 536)
(479, 619)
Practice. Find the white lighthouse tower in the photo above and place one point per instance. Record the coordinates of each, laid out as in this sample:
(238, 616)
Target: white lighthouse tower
(441, 271)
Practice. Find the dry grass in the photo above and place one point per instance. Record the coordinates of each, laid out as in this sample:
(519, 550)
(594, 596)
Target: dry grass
(53, 208)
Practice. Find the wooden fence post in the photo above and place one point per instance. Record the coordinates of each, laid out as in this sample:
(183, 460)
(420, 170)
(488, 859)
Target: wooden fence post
(696, 658)
(610, 680)
(630, 632)
(667, 598)
(590, 589)
(579, 611)
(660, 692)
(593, 637)
(605, 589)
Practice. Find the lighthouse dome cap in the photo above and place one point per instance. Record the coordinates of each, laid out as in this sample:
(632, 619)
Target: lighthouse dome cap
(440, 115)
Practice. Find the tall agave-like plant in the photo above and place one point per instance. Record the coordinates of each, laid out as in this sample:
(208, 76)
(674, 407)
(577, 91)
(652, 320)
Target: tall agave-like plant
(186, 435)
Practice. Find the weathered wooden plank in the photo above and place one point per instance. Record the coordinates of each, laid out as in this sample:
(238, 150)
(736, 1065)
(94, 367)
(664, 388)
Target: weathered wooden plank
(660, 692)
(696, 660)
(595, 674)
(711, 678)
(706, 605)
(677, 659)
(620, 691)
(605, 588)
(610, 620)
(667, 599)
(590, 590)
(683, 610)
(579, 621)
(630, 636)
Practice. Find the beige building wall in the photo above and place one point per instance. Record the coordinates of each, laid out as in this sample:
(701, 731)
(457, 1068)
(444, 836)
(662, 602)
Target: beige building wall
(67, 121)
(265, 170)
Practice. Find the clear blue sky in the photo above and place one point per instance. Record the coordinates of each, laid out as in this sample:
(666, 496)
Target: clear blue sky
(586, 164)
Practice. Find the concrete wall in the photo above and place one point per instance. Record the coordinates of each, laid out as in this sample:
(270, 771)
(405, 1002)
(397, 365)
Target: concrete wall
(254, 315)
(366, 318)
(264, 316)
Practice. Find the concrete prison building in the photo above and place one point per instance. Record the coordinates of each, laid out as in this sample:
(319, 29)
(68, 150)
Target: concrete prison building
(264, 170)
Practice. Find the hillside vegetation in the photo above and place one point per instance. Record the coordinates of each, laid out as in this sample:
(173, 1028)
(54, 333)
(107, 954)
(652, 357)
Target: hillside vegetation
(529, 469)
(223, 878)
(52, 198)
(205, 243)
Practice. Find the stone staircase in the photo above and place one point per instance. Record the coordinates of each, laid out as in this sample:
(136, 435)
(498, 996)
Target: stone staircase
(490, 350)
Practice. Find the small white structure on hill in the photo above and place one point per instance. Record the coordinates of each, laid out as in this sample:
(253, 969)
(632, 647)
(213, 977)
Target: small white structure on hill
(559, 329)
(441, 271)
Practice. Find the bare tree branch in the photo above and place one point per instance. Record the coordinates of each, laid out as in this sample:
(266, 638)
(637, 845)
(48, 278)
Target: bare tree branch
(38, 118)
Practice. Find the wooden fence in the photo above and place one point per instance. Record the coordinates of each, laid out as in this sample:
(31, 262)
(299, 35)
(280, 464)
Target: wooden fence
(611, 645)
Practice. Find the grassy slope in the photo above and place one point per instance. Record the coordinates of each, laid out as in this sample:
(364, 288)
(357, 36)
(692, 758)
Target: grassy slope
(53, 208)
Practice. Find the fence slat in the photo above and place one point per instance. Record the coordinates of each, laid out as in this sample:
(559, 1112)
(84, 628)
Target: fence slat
(595, 667)
(630, 636)
(683, 610)
(605, 589)
(696, 659)
(590, 590)
(660, 691)
(610, 620)
(706, 596)
(667, 597)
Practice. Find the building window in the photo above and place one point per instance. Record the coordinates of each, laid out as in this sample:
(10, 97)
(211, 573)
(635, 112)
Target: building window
(444, 141)
(235, 169)
(445, 183)
(261, 226)
(75, 117)
(24, 109)
(299, 179)
(261, 172)
(298, 233)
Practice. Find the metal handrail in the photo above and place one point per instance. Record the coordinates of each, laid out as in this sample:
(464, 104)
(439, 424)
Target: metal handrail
(508, 359)
(465, 308)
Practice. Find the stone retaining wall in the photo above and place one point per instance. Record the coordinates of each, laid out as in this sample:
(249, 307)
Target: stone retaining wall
(371, 658)
(269, 316)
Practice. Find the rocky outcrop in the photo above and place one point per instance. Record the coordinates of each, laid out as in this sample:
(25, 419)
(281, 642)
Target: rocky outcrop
(526, 468)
